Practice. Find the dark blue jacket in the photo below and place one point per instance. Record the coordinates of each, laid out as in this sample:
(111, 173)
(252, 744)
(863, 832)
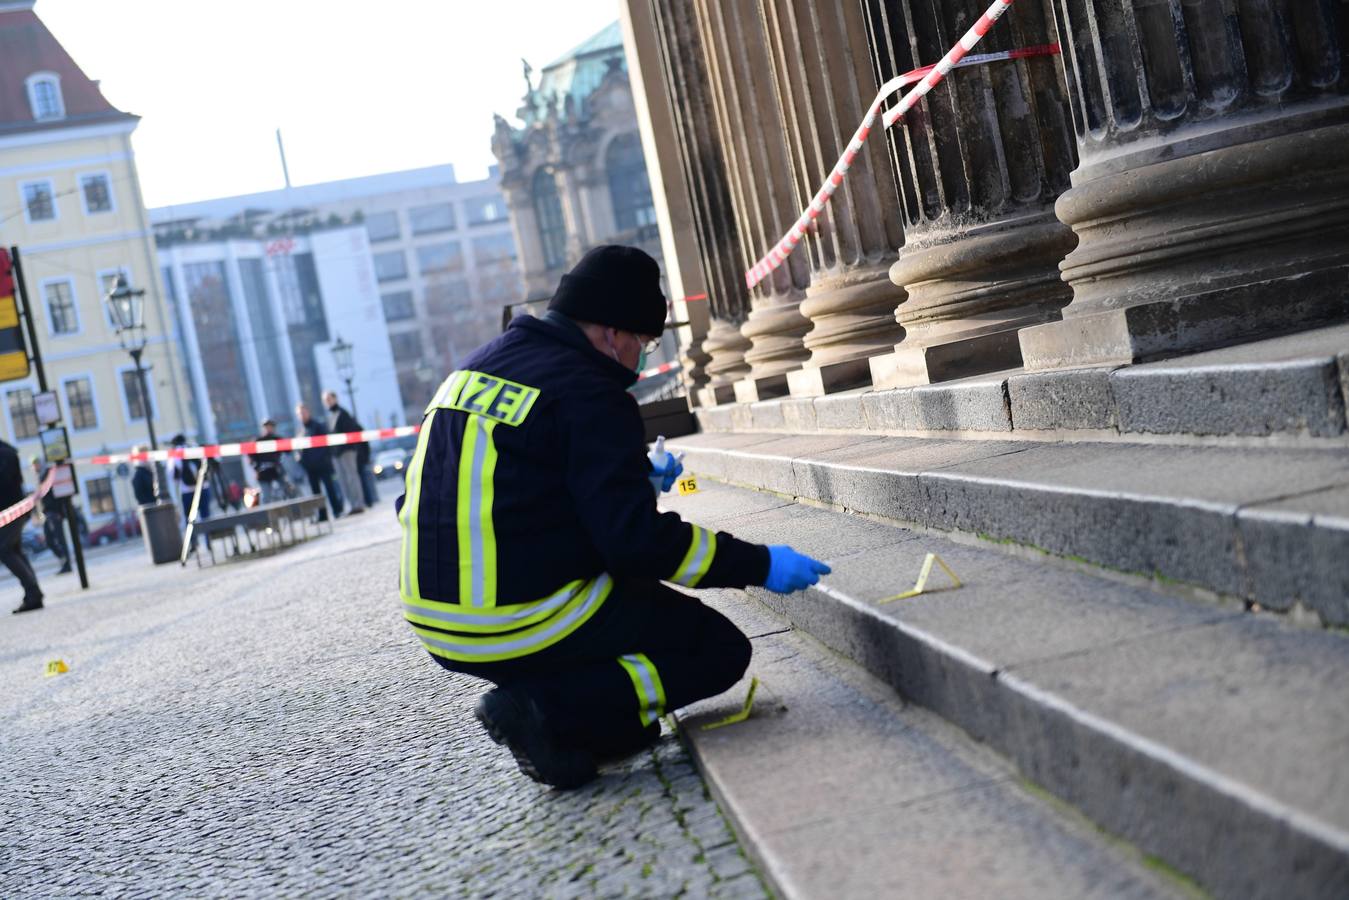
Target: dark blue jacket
(530, 482)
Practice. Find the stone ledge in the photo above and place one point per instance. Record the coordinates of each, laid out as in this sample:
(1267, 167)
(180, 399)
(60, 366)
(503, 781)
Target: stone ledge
(1292, 386)
(1264, 525)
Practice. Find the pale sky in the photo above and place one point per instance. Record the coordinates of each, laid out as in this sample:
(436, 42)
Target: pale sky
(356, 87)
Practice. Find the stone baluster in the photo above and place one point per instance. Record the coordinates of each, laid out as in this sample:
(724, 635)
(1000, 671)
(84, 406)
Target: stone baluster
(981, 160)
(750, 134)
(1212, 199)
(824, 86)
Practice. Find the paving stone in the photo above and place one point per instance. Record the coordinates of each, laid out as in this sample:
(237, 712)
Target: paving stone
(1069, 399)
(271, 727)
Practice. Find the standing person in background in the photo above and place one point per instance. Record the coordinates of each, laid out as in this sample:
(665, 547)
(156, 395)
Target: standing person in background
(267, 466)
(317, 462)
(344, 457)
(51, 514)
(11, 543)
(143, 479)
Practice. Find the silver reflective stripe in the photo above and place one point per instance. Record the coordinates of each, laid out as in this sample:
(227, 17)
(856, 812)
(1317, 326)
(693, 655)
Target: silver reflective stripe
(689, 575)
(475, 508)
(557, 601)
(651, 710)
(494, 648)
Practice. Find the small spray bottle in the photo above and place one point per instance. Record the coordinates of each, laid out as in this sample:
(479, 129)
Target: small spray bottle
(660, 460)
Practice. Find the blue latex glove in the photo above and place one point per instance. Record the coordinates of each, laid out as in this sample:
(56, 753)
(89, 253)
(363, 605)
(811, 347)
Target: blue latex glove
(791, 571)
(670, 474)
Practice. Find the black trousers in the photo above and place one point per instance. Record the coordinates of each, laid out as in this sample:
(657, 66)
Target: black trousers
(648, 642)
(11, 554)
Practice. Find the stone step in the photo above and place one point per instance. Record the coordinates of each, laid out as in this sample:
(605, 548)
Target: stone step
(1287, 388)
(1211, 738)
(1264, 525)
(839, 789)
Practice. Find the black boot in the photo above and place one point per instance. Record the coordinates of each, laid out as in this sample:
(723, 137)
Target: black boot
(513, 719)
(28, 605)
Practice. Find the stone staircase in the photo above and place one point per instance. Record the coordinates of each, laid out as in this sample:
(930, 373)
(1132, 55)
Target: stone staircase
(1150, 629)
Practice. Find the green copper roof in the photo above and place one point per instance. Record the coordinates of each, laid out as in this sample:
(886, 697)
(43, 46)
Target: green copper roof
(576, 74)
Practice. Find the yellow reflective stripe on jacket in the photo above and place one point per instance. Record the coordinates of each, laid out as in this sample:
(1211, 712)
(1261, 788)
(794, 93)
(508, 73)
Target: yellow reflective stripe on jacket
(457, 617)
(474, 529)
(448, 390)
(412, 495)
(646, 682)
(702, 549)
(493, 648)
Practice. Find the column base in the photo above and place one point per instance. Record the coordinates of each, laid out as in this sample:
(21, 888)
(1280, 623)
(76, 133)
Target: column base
(1189, 324)
(817, 381)
(716, 395)
(962, 358)
(752, 390)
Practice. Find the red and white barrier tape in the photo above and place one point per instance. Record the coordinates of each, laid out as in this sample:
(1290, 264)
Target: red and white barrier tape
(25, 506)
(658, 370)
(216, 451)
(927, 78)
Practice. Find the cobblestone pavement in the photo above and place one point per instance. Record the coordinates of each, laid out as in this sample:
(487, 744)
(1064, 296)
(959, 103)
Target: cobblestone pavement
(271, 727)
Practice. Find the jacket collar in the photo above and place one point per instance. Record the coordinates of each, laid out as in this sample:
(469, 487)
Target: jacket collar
(562, 329)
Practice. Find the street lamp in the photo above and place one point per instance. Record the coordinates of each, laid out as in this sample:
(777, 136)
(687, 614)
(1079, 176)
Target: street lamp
(127, 308)
(346, 369)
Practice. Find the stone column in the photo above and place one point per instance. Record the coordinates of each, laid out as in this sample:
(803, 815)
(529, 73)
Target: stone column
(824, 85)
(981, 160)
(750, 132)
(716, 361)
(669, 190)
(1212, 199)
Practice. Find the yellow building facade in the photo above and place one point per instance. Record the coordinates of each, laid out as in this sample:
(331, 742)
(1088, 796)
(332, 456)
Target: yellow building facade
(70, 200)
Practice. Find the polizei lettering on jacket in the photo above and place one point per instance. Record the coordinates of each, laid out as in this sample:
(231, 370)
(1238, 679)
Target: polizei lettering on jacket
(493, 397)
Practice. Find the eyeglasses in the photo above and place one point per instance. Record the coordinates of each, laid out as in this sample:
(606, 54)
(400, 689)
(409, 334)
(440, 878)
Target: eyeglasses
(650, 347)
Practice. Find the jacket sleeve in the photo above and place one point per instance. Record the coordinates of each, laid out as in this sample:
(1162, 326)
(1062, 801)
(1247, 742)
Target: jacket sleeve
(607, 476)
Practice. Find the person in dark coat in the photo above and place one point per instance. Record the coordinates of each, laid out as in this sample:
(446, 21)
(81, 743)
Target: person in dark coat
(143, 479)
(317, 462)
(11, 543)
(533, 549)
(52, 514)
(345, 456)
(271, 474)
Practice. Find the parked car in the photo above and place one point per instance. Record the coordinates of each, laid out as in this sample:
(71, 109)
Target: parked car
(107, 532)
(390, 463)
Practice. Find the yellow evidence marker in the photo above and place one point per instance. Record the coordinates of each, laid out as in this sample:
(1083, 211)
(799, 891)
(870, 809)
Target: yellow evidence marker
(687, 485)
(921, 586)
(737, 716)
(57, 667)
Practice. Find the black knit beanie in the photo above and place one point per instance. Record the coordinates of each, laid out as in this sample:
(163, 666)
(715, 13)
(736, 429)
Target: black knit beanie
(614, 286)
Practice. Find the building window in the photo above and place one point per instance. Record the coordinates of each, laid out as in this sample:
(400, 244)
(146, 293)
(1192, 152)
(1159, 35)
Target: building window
(552, 227)
(406, 347)
(629, 189)
(44, 97)
(98, 494)
(485, 210)
(446, 257)
(444, 297)
(39, 200)
(97, 193)
(61, 313)
(432, 218)
(493, 248)
(131, 392)
(22, 415)
(398, 306)
(391, 266)
(383, 226)
(80, 404)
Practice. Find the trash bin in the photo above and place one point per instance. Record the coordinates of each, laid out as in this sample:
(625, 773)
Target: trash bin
(159, 524)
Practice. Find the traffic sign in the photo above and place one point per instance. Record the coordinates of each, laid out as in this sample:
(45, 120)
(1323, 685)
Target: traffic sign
(46, 407)
(13, 350)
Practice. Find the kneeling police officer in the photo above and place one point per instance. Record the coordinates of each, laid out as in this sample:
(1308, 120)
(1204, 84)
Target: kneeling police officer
(533, 551)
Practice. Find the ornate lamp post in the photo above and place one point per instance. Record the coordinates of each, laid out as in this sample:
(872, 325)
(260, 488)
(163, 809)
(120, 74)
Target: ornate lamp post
(346, 368)
(127, 308)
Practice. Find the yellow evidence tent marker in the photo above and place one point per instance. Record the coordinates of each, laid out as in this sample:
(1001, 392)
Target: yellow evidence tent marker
(57, 667)
(687, 485)
(737, 716)
(921, 586)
